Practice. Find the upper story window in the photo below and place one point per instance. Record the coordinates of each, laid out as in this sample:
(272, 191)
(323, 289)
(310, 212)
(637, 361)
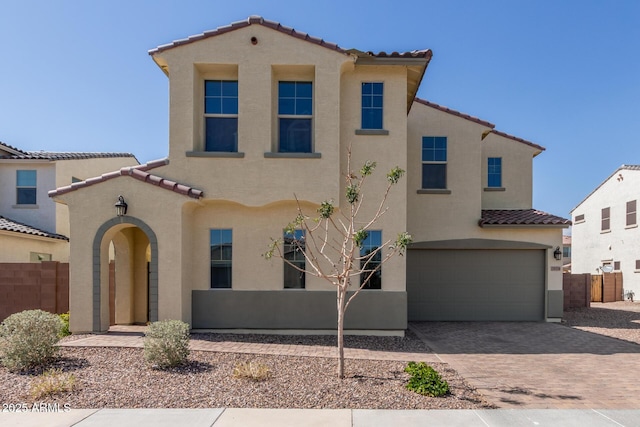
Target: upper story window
(370, 260)
(221, 257)
(579, 218)
(434, 162)
(566, 252)
(372, 105)
(221, 115)
(494, 172)
(295, 114)
(26, 187)
(631, 213)
(606, 219)
(294, 247)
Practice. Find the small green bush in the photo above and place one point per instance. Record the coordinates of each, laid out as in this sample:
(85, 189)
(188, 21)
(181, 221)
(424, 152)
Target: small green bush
(28, 339)
(65, 330)
(166, 343)
(425, 380)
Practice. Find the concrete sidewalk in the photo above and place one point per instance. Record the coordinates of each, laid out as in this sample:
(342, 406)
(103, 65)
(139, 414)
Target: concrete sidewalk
(222, 417)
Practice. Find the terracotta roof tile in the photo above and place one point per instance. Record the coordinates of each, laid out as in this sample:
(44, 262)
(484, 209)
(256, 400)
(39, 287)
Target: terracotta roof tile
(515, 138)
(11, 148)
(138, 172)
(253, 20)
(49, 155)
(7, 224)
(510, 217)
(454, 112)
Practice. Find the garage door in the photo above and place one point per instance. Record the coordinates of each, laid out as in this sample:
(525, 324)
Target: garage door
(486, 285)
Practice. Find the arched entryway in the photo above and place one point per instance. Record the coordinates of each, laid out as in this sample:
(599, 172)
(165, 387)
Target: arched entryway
(134, 246)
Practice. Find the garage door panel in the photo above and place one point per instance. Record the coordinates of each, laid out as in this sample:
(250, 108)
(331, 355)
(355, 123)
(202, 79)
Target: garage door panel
(475, 284)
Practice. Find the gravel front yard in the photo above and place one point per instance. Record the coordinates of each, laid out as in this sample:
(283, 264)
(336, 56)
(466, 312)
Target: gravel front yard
(614, 319)
(118, 378)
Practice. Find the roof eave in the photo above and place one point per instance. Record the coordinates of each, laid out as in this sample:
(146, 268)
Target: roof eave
(523, 225)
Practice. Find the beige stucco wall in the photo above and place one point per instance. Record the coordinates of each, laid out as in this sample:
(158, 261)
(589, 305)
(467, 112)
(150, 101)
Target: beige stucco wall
(445, 216)
(82, 169)
(17, 247)
(434, 217)
(159, 208)
(517, 173)
(258, 68)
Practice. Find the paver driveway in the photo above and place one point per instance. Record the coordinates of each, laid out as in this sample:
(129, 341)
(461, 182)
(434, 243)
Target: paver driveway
(539, 365)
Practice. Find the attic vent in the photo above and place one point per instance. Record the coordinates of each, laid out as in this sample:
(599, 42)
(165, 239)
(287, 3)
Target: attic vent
(580, 218)
(254, 40)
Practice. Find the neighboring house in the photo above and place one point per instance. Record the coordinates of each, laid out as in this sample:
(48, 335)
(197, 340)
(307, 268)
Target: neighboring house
(261, 114)
(32, 226)
(566, 254)
(605, 228)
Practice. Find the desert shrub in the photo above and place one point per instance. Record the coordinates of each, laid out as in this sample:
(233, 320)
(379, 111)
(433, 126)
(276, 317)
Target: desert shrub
(425, 380)
(166, 343)
(255, 371)
(28, 339)
(65, 320)
(51, 382)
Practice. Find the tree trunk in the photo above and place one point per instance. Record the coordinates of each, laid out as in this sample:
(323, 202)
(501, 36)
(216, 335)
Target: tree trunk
(341, 297)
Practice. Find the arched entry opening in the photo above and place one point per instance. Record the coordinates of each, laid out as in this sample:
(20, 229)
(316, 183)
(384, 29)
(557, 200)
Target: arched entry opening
(133, 248)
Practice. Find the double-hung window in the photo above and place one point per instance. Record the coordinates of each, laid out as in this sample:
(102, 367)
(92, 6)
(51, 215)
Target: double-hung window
(631, 213)
(434, 162)
(26, 186)
(370, 260)
(295, 264)
(606, 219)
(221, 257)
(372, 105)
(295, 116)
(494, 172)
(221, 115)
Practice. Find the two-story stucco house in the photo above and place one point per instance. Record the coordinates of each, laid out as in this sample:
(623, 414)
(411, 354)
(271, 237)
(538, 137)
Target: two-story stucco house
(32, 226)
(260, 115)
(605, 228)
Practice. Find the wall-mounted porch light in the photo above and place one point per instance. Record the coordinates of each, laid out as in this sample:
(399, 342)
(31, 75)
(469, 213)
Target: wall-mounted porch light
(557, 254)
(121, 206)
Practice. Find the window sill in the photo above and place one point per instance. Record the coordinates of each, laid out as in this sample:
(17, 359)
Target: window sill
(25, 206)
(223, 154)
(631, 226)
(495, 189)
(372, 132)
(579, 222)
(605, 231)
(271, 155)
(434, 191)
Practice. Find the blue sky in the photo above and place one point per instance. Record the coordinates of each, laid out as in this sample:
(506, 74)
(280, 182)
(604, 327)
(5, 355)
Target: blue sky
(76, 76)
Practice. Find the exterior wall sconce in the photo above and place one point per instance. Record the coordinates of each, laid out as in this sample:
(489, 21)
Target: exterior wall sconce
(121, 206)
(557, 254)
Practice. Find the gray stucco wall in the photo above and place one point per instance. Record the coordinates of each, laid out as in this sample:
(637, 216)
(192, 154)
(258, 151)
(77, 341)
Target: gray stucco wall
(228, 309)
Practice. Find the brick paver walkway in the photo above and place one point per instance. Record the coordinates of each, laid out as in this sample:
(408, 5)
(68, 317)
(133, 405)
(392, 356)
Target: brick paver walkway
(125, 336)
(539, 365)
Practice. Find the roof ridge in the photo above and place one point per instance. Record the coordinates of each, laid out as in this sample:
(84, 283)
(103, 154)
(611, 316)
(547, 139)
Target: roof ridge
(139, 172)
(621, 167)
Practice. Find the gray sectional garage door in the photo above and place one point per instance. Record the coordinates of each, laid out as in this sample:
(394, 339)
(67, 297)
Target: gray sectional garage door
(461, 285)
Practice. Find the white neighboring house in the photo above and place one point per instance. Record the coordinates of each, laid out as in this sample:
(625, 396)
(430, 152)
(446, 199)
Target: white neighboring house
(605, 228)
(32, 226)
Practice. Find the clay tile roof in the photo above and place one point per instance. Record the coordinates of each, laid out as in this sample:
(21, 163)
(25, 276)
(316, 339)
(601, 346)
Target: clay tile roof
(511, 217)
(515, 138)
(7, 224)
(454, 112)
(139, 172)
(18, 154)
(253, 20)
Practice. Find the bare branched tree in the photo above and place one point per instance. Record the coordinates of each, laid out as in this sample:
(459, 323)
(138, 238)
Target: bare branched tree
(331, 243)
